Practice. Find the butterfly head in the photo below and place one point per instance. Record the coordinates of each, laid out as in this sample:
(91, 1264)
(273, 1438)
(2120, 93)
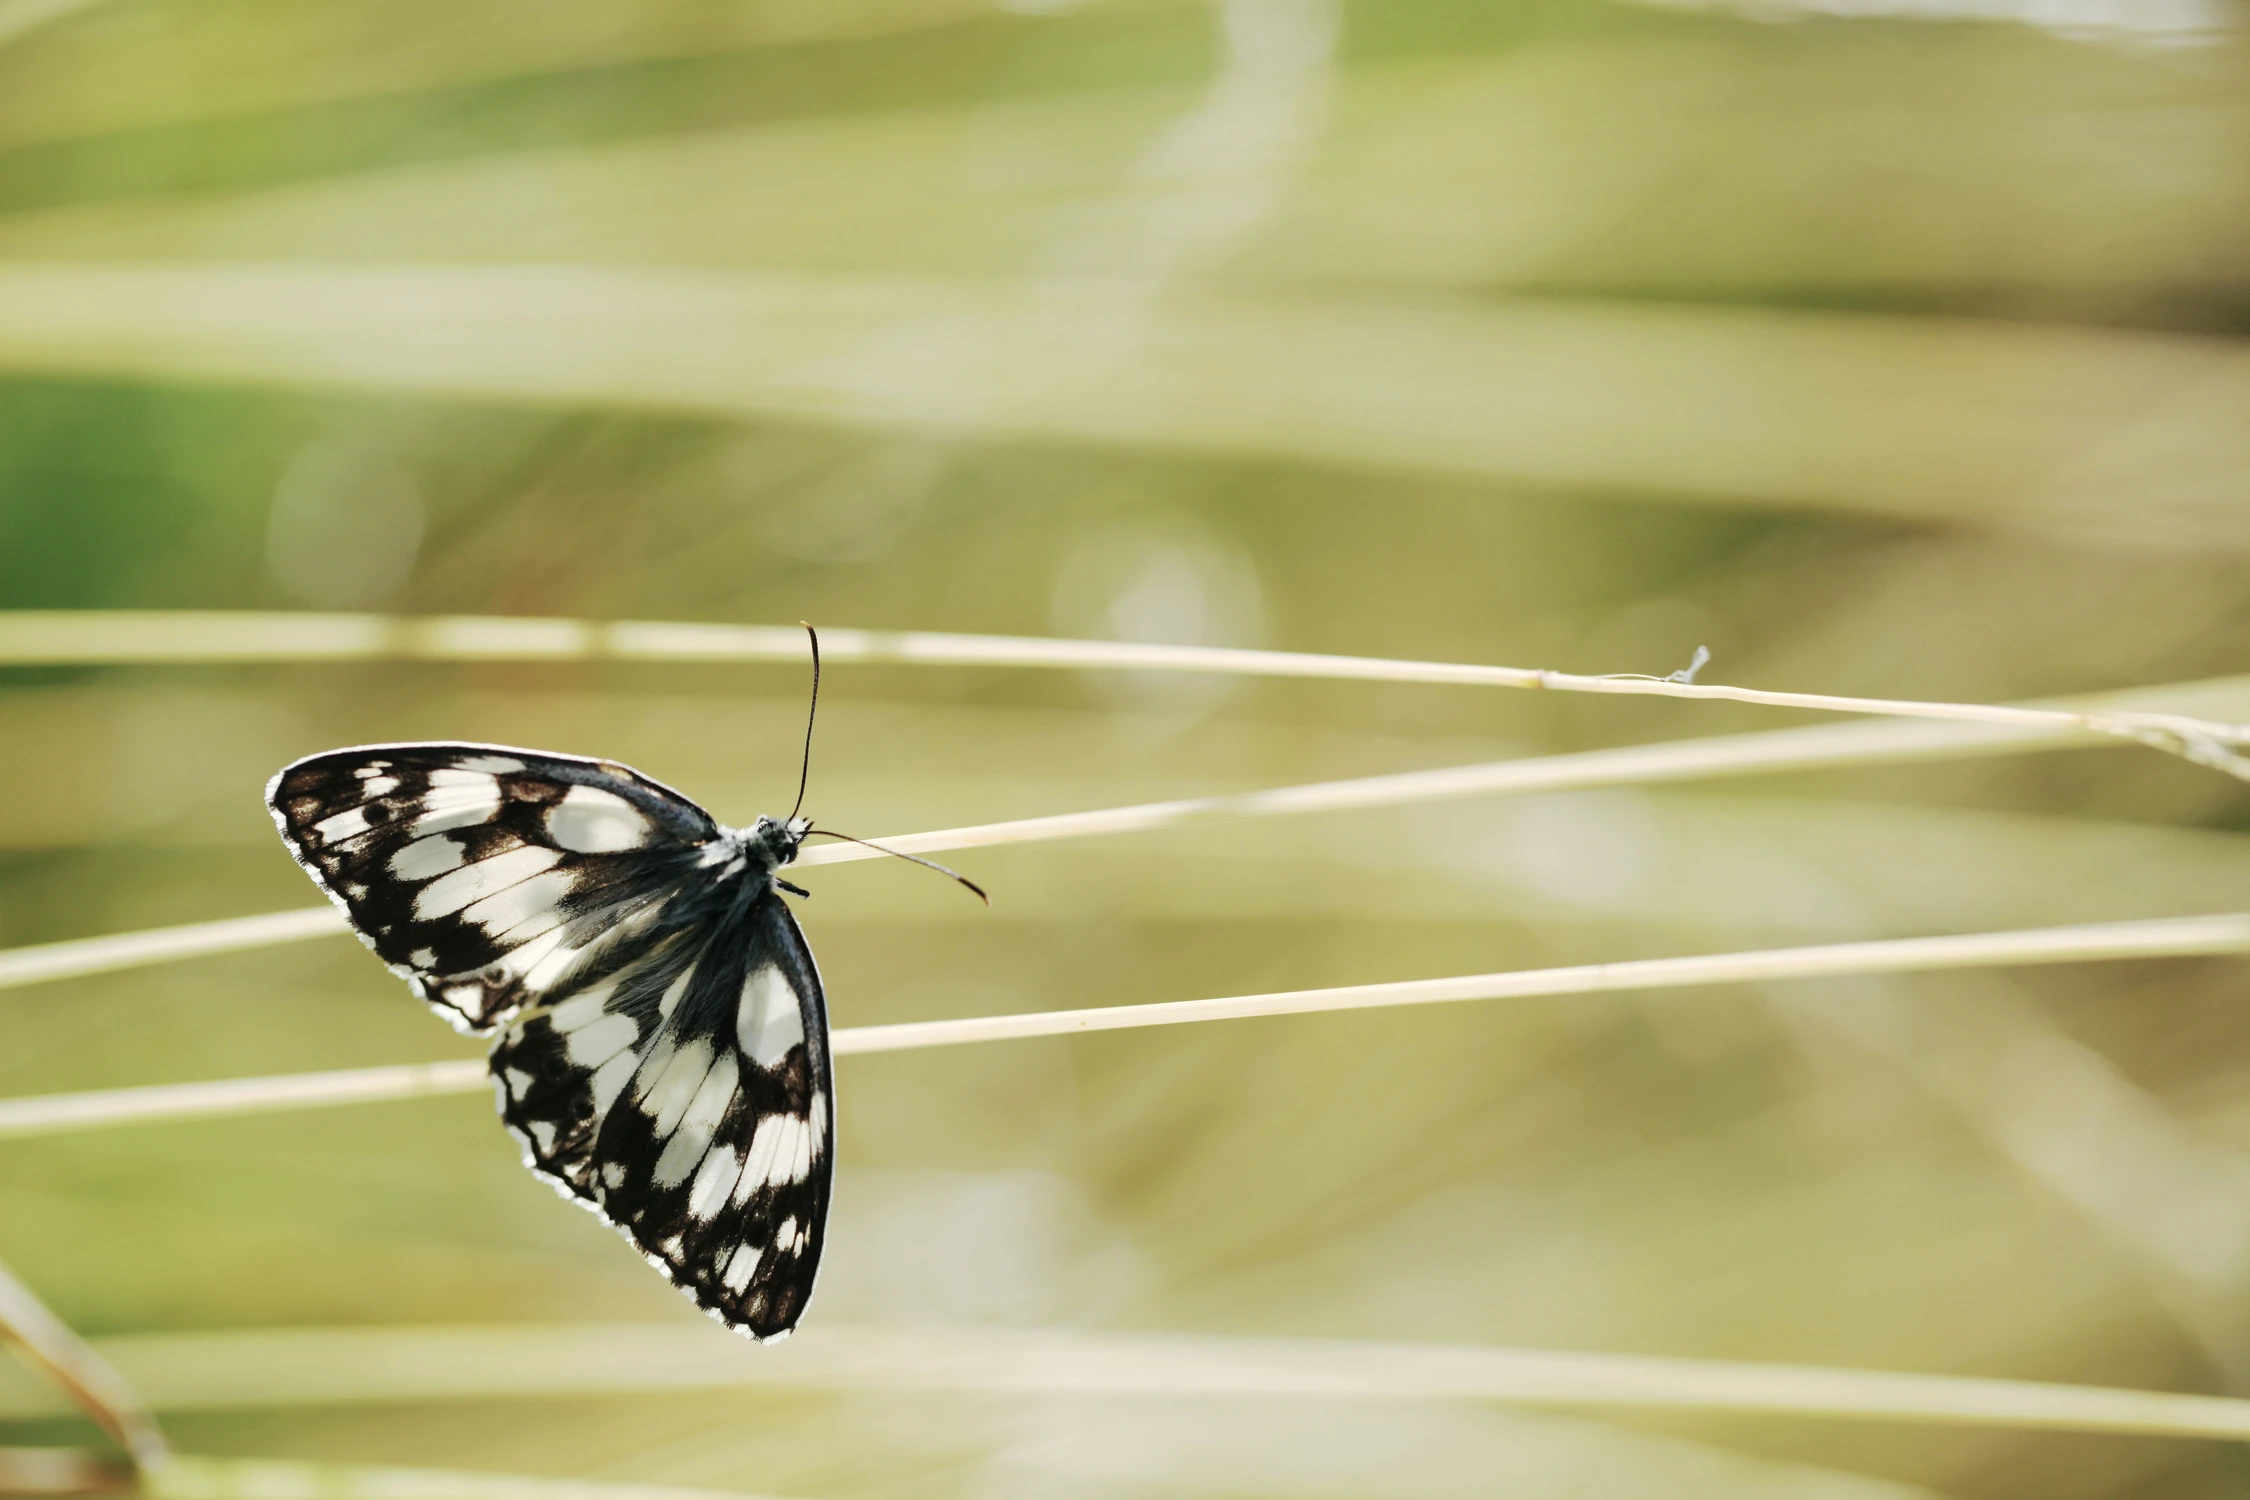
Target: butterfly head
(775, 840)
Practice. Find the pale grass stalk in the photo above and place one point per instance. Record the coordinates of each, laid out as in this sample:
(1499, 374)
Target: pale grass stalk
(61, 1471)
(2165, 938)
(190, 1478)
(1767, 752)
(92, 1384)
(45, 1114)
(65, 636)
(128, 950)
(346, 1366)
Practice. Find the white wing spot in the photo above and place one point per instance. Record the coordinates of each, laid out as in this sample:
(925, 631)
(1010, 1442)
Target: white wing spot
(542, 974)
(427, 857)
(719, 1173)
(543, 1132)
(423, 958)
(741, 1266)
(613, 1174)
(609, 1081)
(767, 1021)
(519, 1082)
(758, 1161)
(527, 954)
(670, 999)
(488, 763)
(698, 1123)
(779, 1153)
(581, 1010)
(524, 904)
(457, 799)
(595, 1044)
(372, 768)
(342, 826)
(589, 820)
(449, 893)
(668, 1085)
(785, 1238)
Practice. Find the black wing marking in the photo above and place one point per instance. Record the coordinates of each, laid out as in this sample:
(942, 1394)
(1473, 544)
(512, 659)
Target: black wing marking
(488, 877)
(685, 1097)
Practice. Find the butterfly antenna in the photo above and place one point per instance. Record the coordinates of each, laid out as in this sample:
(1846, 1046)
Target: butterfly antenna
(927, 864)
(804, 772)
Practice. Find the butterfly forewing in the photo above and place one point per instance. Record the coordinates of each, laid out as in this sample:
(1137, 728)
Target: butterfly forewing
(688, 1102)
(665, 1053)
(483, 874)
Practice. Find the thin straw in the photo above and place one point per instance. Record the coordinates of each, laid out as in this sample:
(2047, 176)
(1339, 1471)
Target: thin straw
(1671, 761)
(90, 1381)
(65, 636)
(61, 1471)
(127, 950)
(269, 1479)
(2165, 938)
(285, 1368)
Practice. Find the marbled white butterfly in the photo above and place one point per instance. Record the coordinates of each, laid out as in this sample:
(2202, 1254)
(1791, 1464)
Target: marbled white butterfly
(663, 1038)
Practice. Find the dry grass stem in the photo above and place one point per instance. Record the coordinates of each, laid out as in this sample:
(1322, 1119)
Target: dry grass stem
(266, 1479)
(51, 1113)
(62, 636)
(61, 1471)
(343, 1366)
(93, 1385)
(129, 950)
(1669, 761)
(2174, 937)
(2167, 938)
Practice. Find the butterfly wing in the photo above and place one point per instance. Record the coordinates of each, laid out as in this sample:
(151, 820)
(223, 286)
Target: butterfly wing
(667, 1062)
(686, 1098)
(487, 876)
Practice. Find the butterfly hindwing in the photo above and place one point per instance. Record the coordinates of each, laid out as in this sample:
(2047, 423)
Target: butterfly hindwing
(483, 874)
(685, 1097)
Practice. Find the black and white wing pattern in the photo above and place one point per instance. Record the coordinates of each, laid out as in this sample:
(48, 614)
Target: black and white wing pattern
(686, 1095)
(663, 1048)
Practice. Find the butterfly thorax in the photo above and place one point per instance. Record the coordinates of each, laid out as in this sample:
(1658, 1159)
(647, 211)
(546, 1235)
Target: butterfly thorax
(761, 849)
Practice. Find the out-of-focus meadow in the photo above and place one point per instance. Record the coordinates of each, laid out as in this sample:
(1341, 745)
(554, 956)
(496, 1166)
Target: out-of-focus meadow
(1884, 349)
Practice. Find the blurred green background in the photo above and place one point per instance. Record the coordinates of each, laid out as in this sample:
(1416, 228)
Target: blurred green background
(1887, 347)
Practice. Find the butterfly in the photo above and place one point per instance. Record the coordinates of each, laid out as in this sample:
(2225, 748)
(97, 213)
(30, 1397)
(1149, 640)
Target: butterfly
(661, 1035)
